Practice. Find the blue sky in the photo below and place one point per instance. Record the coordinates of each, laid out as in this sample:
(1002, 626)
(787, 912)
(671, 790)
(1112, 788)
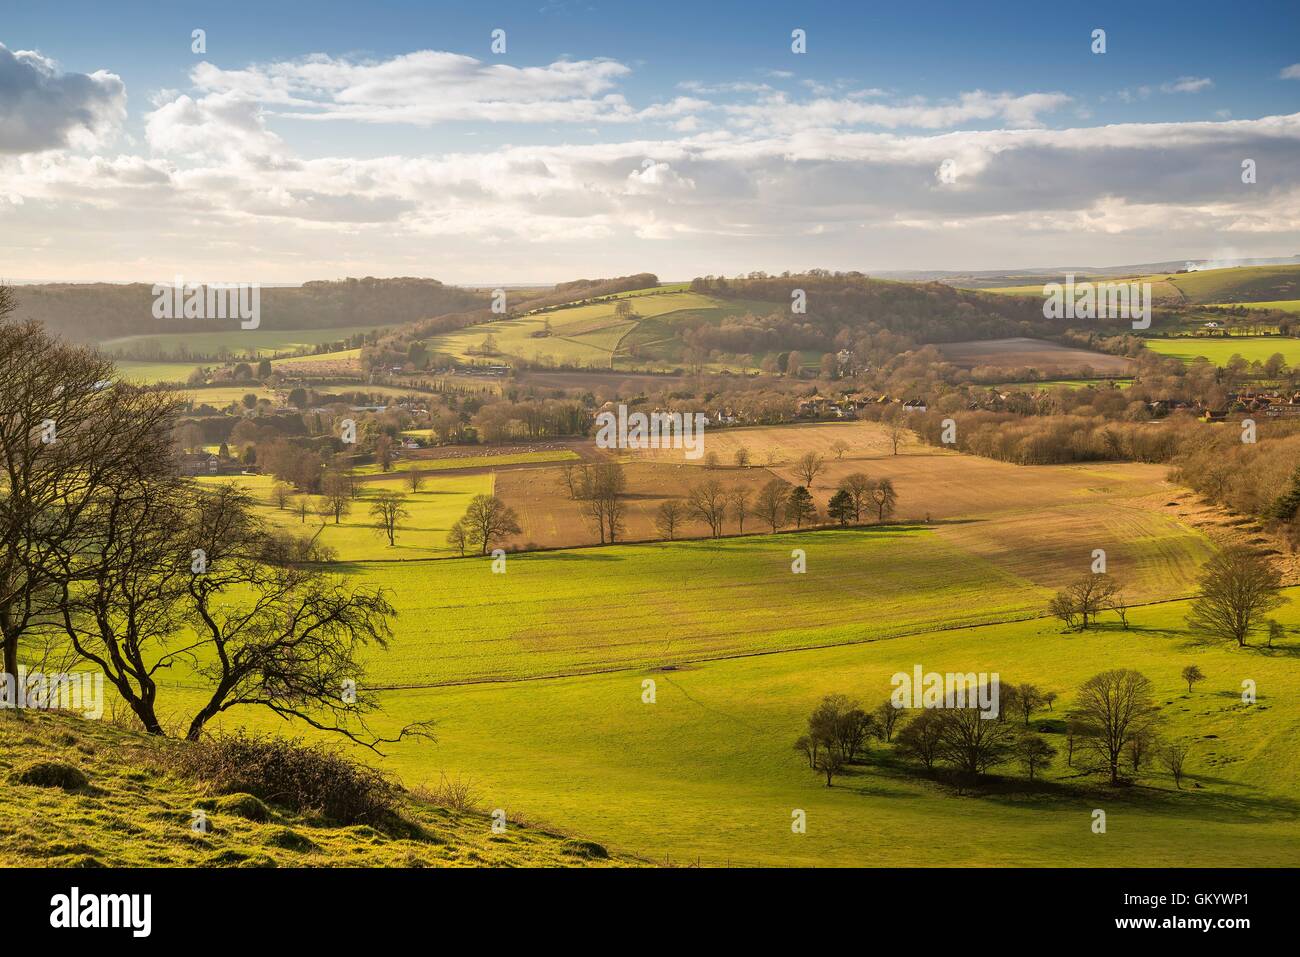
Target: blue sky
(315, 140)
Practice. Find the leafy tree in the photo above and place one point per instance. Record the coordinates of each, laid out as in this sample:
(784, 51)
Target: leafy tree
(799, 507)
(840, 507)
(1192, 674)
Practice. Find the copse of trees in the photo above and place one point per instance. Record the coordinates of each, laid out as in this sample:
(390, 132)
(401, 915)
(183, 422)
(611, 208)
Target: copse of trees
(1079, 603)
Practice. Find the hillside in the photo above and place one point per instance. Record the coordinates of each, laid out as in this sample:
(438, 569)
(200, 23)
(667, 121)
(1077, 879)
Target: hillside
(1238, 284)
(136, 810)
(95, 312)
(738, 323)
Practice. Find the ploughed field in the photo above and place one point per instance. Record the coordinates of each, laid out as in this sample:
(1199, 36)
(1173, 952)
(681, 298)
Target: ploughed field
(1033, 353)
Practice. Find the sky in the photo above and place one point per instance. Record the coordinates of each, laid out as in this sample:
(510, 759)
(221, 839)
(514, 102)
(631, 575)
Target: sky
(295, 141)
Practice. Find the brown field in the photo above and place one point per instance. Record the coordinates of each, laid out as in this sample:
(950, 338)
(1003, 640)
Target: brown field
(1033, 353)
(1038, 522)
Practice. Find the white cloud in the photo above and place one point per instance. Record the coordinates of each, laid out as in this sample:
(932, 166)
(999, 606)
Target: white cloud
(1291, 72)
(1187, 84)
(43, 109)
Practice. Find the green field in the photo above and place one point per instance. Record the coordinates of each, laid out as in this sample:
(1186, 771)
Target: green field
(1234, 286)
(434, 508)
(468, 461)
(1286, 305)
(593, 335)
(1069, 384)
(1220, 349)
(245, 343)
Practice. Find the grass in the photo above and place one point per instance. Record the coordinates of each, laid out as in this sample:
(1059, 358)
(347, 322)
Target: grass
(1066, 383)
(592, 334)
(1233, 286)
(1219, 350)
(1286, 305)
(135, 811)
(244, 343)
(468, 461)
(439, 503)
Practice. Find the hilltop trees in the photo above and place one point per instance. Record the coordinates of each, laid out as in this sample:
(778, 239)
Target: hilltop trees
(1239, 587)
(69, 439)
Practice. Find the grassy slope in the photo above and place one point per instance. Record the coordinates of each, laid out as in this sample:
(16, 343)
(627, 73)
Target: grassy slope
(1240, 284)
(244, 342)
(591, 334)
(441, 501)
(1220, 350)
(135, 812)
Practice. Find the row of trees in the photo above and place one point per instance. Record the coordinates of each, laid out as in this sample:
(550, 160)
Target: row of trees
(1236, 591)
(1114, 722)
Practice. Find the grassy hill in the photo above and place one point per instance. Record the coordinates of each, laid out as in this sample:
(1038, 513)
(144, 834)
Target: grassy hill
(1239, 284)
(133, 807)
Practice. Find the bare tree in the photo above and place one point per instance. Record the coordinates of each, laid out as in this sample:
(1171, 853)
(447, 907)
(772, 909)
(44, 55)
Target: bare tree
(738, 502)
(488, 521)
(920, 737)
(601, 490)
(884, 497)
(887, 718)
(1174, 756)
(1239, 587)
(707, 502)
(809, 466)
(839, 447)
(389, 511)
(337, 491)
(742, 457)
(858, 486)
(69, 435)
(414, 480)
(1034, 753)
(1192, 674)
(262, 630)
(1084, 599)
(770, 503)
(1112, 709)
(281, 493)
(458, 536)
(669, 517)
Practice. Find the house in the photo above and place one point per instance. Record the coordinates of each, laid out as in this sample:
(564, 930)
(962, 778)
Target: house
(1211, 325)
(915, 405)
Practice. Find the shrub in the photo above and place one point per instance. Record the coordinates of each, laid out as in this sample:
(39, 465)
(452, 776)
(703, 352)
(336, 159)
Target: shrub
(288, 773)
(50, 774)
